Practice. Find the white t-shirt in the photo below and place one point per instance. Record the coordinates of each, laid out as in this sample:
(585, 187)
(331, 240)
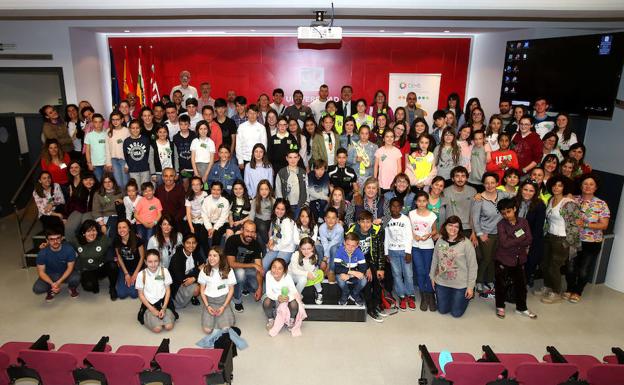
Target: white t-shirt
(274, 288)
(215, 285)
(196, 205)
(556, 223)
(204, 150)
(188, 92)
(155, 286)
(422, 225)
(173, 128)
(71, 130)
(194, 119)
(131, 207)
(165, 154)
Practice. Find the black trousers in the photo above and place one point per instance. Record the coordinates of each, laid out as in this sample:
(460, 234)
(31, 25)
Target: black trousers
(502, 274)
(90, 278)
(579, 269)
(372, 291)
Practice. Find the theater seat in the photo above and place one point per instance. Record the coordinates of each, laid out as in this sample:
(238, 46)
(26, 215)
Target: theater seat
(473, 373)
(54, 367)
(119, 368)
(544, 373)
(4, 364)
(610, 359)
(190, 367)
(80, 351)
(147, 353)
(457, 357)
(511, 361)
(583, 362)
(606, 374)
(12, 349)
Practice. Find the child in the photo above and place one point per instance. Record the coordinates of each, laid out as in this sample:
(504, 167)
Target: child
(280, 288)
(318, 188)
(420, 164)
(325, 144)
(290, 182)
(225, 170)
(202, 151)
(398, 250)
(511, 179)
(477, 161)
(131, 199)
(345, 209)
(281, 243)
(464, 141)
(148, 212)
(371, 243)
(166, 239)
(258, 169)
(439, 124)
(193, 204)
(261, 209)
(423, 225)
(331, 234)
(502, 159)
(240, 207)
(182, 141)
(492, 132)
(105, 203)
(115, 162)
(95, 147)
(349, 136)
(387, 161)
(343, 176)
(350, 267)
(184, 266)
(136, 154)
(130, 253)
(305, 226)
(216, 282)
(304, 267)
(514, 238)
(447, 155)
(163, 155)
(361, 156)
(215, 210)
(153, 286)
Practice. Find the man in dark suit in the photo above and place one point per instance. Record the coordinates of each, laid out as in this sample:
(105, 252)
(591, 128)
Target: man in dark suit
(346, 106)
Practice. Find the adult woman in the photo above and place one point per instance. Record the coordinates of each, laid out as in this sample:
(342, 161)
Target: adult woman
(595, 215)
(361, 156)
(148, 126)
(166, 239)
(477, 119)
(270, 123)
(54, 128)
(55, 161)
(453, 268)
(349, 135)
(549, 142)
(435, 197)
(374, 202)
(130, 254)
(401, 142)
(513, 127)
(418, 128)
(184, 267)
(471, 104)
(74, 129)
(258, 169)
(562, 233)
(564, 132)
(94, 260)
(567, 168)
(577, 152)
(105, 203)
(380, 106)
(533, 209)
(400, 188)
(550, 164)
(453, 104)
(50, 201)
(74, 179)
(263, 108)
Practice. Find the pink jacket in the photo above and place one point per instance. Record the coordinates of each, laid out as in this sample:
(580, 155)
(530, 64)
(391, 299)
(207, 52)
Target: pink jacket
(283, 316)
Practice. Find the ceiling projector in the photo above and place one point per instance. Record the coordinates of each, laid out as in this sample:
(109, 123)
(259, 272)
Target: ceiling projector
(320, 31)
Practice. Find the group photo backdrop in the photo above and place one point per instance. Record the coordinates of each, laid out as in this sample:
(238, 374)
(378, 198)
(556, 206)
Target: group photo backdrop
(255, 65)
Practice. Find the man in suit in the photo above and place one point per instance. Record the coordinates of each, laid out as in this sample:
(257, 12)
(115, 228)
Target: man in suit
(346, 106)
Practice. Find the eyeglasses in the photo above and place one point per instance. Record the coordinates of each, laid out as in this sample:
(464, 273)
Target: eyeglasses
(55, 239)
(525, 124)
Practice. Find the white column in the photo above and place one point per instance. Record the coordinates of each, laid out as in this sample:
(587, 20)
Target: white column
(615, 271)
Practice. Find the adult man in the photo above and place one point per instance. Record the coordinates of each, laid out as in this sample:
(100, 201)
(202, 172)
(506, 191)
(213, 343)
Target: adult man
(527, 145)
(411, 110)
(205, 100)
(244, 255)
(241, 110)
(458, 199)
(172, 119)
(133, 109)
(504, 108)
(178, 100)
(215, 131)
(318, 105)
(249, 133)
(543, 123)
(55, 266)
(159, 113)
(187, 90)
(231, 105)
(278, 97)
(171, 196)
(191, 111)
(227, 125)
(298, 110)
(346, 107)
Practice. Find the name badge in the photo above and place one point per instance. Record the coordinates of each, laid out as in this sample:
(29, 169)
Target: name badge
(518, 233)
(203, 145)
(102, 141)
(62, 166)
(151, 208)
(119, 141)
(277, 141)
(159, 278)
(221, 287)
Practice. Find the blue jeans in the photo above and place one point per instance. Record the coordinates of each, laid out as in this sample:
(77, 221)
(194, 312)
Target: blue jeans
(245, 279)
(421, 259)
(123, 290)
(72, 281)
(332, 254)
(98, 171)
(144, 232)
(270, 256)
(352, 286)
(121, 176)
(451, 300)
(402, 273)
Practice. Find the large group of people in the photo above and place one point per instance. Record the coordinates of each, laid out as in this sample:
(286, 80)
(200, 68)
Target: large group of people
(204, 201)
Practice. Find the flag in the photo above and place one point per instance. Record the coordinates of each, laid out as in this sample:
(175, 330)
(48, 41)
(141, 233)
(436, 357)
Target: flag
(155, 95)
(140, 90)
(114, 81)
(127, 76)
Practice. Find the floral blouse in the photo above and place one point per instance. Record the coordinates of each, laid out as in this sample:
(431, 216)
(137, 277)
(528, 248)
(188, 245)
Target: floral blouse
(54, 196)
(592, 211)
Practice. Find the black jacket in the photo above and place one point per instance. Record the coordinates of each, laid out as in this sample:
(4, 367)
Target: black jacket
(340, 111)
(177, 268)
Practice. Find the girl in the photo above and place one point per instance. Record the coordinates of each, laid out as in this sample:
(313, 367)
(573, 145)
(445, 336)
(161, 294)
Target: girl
(130, 253)
(453, 104)
(494, 128)
(309, 130)
(92, 259)
(105, 204)
(80, 205)
(399, 116)
(303, 267)
(261, 209)
(166, 239)
(137, 154)
(401, 189)
(202, 151)
(420, 164)
(577, 151)
(147, 212)
(115, 161)
(74, 130)
(185, 265)
(450, 120)
(511, 179)
(478, 158)
(257, 169)
(331, 109)
(424, 229)
(305, 226)
(361, 117)
(387, 161)
(401, 141)
(148, 126)
(263, 108)
(435, 199)
(349, 136)
(325, 144)
(550, 145)
(240, 208)
(513, 127)
(419, 127)
(533, 209)
(163, 155)
(380, 106)
(381, 124)
(55, 161)
(50, 202)
(193, 203)
(155, 294)
(74, 178)
(564, 132)
(447, 155)
(271, 123)
(131, 200)
(477, 117)
(361, 156)
(344, 207)
(225, 170)
(466, 117)
(464, 141)
(300, 139)
(537, 175)
(216, 286)
(280, 288)
(95, 144)
(550, 164)
(215, 210)
(502, 159)
(281, 242)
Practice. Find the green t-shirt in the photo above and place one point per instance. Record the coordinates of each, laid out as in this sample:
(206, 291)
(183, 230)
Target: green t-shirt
(97, 143)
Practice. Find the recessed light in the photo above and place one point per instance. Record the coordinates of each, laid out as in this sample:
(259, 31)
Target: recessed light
(126, 30)
(189, 30)
(252, 30)
(447, 31)
(382, 30)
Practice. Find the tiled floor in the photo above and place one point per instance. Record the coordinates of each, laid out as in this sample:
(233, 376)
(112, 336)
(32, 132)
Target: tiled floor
(341, 353)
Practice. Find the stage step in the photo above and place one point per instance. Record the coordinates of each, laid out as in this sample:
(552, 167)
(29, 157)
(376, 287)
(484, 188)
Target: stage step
(330, 310)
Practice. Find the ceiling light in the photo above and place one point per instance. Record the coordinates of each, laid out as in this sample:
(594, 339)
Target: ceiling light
(382, 30)
(447, 31)
(252, 30)
(189, 30)
(126, 30)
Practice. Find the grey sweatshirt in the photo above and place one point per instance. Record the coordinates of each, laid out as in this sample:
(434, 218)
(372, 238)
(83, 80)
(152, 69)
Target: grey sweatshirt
(485, 216)
(454, 266)
(457, 203)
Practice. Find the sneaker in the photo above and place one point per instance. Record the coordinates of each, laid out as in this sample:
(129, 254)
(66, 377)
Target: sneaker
(319, 299)
(381, 312)
(269, 324)
(527, 313)
(358, 300)
(403, 304)
(542, 291)
(424, 301)
(433, 306)
(290, 324)
(487, 294)
(479, 288)
(194, 301)
(375, 316)
(574, 298)
(113, 294)
(566, 295)
(551, 298)
(411, 302)
(245, 293)
(238, 307)
(73, 292)
(500, 312)
(49, 297)
(343, 301)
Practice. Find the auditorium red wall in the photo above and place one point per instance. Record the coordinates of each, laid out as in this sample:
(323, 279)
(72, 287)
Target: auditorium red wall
(253, 65)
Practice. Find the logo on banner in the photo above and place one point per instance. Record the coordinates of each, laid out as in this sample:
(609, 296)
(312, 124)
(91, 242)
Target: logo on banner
(409, 86)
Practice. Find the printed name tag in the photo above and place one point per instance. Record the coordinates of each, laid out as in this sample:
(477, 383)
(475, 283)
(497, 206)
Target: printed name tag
(119, 141)
(518, 233)
(221, 287)
(203, 145)
(62, 166)
(102, 141)
(159, 278)
(277, 141)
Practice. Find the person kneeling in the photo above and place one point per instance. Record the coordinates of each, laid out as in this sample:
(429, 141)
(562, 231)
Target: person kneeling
(185, 266)
(350, 268)
(153, 284)
(217, 281)
(280, 289)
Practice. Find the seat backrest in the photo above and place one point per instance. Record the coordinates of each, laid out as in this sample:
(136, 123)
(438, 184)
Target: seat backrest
(54, 368)
(612, 359)
(473, 373)
(146, 352)
(80, 351)
(13, 349)
(119, 368)
(606, 374)
(457, 357)
(544, 373)
(511, 361)
(187, 369)
(4, 364)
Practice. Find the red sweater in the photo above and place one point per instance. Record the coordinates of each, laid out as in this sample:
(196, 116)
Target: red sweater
(529, 149)
(496, 163)
(59, 174)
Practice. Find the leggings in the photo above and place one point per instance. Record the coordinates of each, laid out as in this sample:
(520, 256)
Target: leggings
(270, 307)
(90, 278)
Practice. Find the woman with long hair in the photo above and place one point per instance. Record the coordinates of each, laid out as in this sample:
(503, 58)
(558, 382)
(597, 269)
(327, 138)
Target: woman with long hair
(50, 202)
(166, 239)
(258, 169)
(564, 132)
(55, 161)
(261, 210)
(380, 106)
(533, 209)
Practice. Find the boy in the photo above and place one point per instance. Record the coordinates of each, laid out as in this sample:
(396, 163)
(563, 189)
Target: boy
(318, 189)
(343, 176)
(278, 96)
(331, 235)
(148, 212)
(248, 134)
(439, 124)
(371, 243)
(182, 141)
(350, 267)
(398, 250)
(291, 183)
(191, 112)
(95, 147)
(225, 170)
(514, 238)
(172, 120)
(477, 160)
(241, 110)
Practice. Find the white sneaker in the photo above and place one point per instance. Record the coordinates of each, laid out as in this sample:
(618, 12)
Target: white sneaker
(319, 299)
(542, 291)
(270, 324)
(551, 298)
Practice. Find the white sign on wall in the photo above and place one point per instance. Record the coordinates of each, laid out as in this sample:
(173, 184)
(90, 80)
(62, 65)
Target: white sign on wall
(426, 87)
